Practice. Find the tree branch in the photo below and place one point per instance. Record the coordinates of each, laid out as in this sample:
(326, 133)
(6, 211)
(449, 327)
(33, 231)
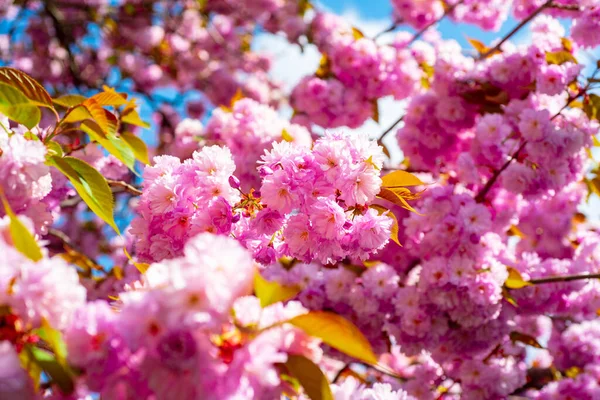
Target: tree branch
(448, 11)
(488, 186)
(565, 278)
(64, 39)
(388, 130)
(516, 29)
(125, 186)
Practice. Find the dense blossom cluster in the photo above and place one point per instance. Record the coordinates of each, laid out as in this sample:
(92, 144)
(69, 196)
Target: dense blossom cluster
(182, 199)
(25, 180)
(317, 202)
(246, 222)
(248, 130)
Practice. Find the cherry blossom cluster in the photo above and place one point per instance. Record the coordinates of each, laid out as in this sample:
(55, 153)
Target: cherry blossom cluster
(182, 199)
(248, 130)
(25, 180)
(317, 202)
(356, 72)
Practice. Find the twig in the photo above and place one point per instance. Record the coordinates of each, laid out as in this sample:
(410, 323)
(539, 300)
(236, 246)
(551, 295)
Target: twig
(388, 130)
(483, 192)
(516, 29)
(565, 278)
(125, 186)
(340, 372)
(448, 11)
(64, 38)
(387, 30)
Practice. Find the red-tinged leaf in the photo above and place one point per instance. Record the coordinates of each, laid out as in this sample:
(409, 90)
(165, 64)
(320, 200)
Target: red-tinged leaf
(26, 85)
(400, 178)
(337, 332)
(310, 376)
(393, 197)
(526, 339)
(375, 114)
(131, 116)
(90, 110)
(109, 97)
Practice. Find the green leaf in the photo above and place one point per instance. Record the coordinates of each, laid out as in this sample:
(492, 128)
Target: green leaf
(33, 369)
(270, 292)
(112, 143)
(560, 57)
(337, 332)
(526, 339)
(23, 240)
(54, 149)
(310, 376)
(54, 339)
(28, 86)
(515, 280)
(69, 100)
(400, 179)
(394, 229)
(140, 151)
(90, 185)
(16, 106)
(59, 373)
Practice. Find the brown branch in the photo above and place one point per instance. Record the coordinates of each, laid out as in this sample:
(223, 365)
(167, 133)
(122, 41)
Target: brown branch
(388, 130)
(448, 11)
(516, 29)
(65, 39)
(125, 186)
(340, 372)
(488, 186)
(565, 278)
